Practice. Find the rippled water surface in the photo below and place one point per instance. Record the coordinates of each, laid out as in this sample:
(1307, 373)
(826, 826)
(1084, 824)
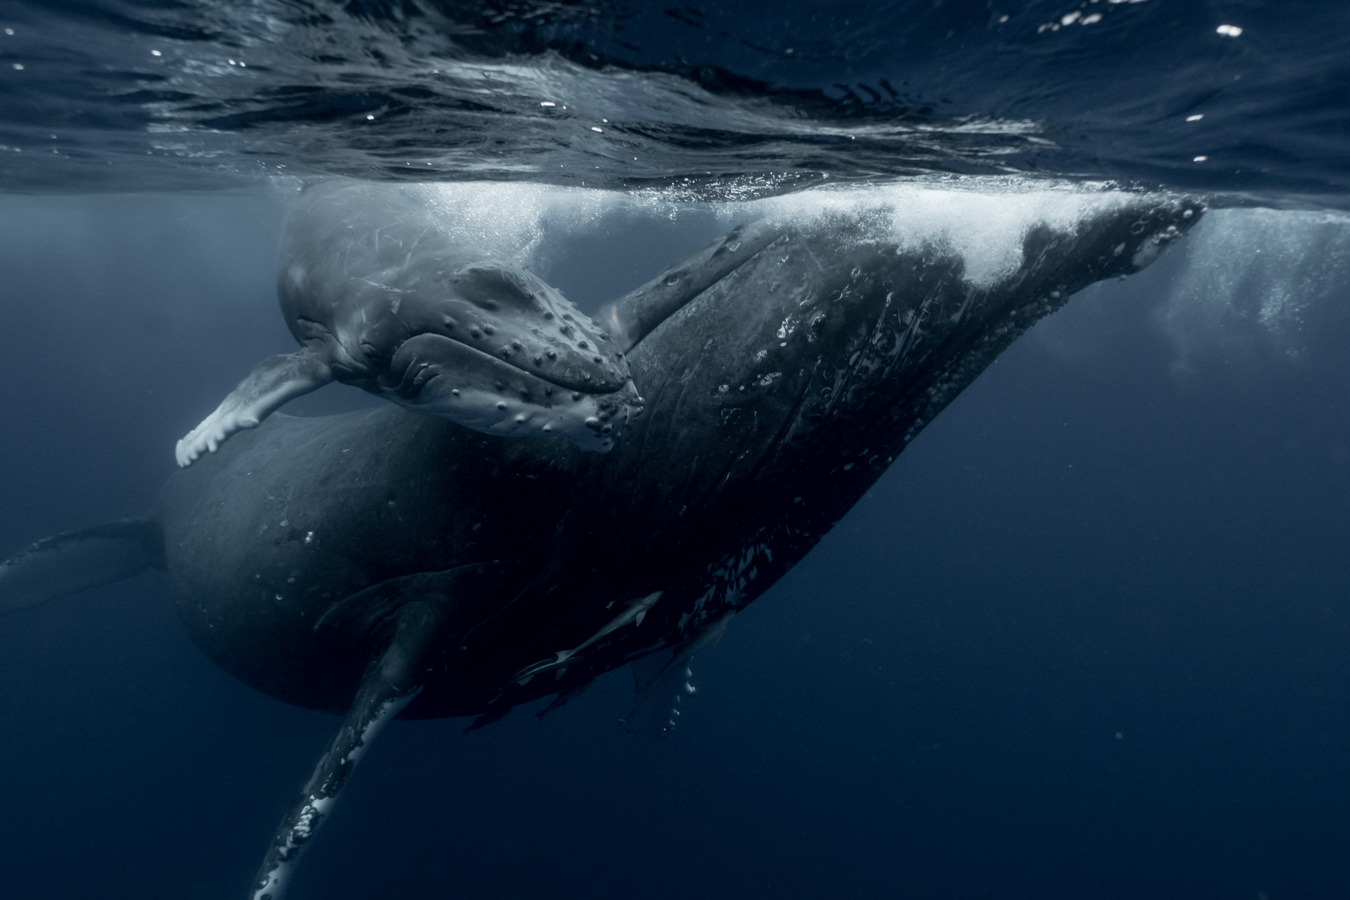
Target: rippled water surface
(723, 100)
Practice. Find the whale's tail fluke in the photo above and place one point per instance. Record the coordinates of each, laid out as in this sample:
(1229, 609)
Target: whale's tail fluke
(76, 560)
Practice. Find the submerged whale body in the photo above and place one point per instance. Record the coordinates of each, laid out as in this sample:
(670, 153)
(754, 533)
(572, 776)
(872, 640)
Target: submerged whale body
(385, 563)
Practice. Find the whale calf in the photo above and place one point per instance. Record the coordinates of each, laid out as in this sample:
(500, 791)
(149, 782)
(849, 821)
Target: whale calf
(385, 563)
(381, 294)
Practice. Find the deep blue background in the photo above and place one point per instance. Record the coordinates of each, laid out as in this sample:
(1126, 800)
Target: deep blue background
(1087, 638)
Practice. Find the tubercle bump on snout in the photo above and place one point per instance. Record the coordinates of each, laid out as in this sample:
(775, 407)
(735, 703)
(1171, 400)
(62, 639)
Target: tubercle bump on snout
(548, 337)
(494, 395)
(1167, 225)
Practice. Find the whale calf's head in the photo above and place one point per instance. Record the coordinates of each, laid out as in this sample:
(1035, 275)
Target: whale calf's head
(512, 356)
(400, 309)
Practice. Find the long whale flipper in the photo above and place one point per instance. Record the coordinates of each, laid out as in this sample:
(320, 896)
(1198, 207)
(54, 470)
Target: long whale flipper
(272, 383)
(76, 560)
(387, 688)
(634, 315)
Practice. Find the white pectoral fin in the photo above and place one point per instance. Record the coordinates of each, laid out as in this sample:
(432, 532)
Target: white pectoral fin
(272, 383)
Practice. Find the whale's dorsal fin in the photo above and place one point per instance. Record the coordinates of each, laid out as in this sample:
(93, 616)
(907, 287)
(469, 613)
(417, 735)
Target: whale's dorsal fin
(636, 314)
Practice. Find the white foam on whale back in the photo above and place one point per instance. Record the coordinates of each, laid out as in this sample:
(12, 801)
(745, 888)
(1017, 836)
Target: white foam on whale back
(1287, 256)
(984, 220)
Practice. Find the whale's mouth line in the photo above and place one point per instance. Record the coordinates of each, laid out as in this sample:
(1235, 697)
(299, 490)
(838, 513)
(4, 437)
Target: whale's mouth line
(480, 369)
(519, 407)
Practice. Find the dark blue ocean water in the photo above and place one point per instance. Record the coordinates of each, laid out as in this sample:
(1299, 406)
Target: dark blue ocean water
(1087, 638)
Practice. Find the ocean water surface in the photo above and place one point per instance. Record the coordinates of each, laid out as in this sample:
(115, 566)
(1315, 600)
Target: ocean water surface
(1087, 637)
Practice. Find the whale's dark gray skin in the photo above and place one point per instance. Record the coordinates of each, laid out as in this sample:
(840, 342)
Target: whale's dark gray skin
(381, 294)
(383, 563)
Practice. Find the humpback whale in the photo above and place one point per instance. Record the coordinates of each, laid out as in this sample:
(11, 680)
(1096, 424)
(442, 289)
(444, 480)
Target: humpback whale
(386, 563)
(381, 295)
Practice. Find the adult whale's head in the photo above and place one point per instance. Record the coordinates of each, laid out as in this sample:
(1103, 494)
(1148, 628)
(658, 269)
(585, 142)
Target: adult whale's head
(375, 279)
